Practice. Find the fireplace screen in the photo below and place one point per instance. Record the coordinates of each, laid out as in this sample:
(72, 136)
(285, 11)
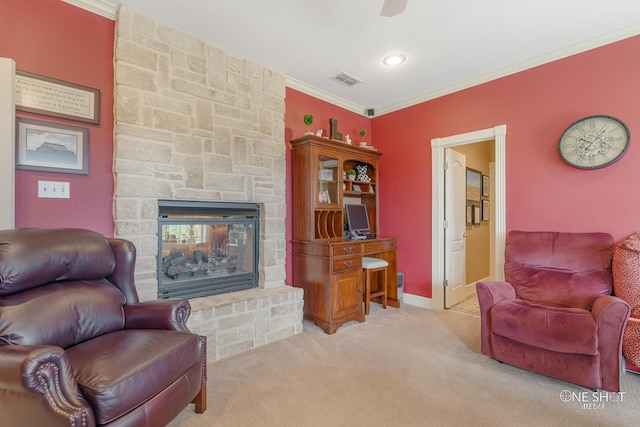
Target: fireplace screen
(206, 248)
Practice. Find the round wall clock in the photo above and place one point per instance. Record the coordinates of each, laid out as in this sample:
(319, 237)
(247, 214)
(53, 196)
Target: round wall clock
(594, 142)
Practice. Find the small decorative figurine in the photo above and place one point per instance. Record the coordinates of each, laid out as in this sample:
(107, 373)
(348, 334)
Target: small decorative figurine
(319, 133)
(348, 140)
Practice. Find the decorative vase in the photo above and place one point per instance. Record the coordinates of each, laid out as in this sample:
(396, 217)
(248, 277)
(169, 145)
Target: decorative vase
(352, 177)
(362, 173)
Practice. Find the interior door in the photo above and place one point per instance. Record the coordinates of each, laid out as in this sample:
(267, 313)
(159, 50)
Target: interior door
(455, 231)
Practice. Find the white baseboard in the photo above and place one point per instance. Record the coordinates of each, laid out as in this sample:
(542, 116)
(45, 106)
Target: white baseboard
(416, 300)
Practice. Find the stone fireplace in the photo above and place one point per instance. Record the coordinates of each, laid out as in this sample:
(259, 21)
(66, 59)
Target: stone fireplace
(194, 122)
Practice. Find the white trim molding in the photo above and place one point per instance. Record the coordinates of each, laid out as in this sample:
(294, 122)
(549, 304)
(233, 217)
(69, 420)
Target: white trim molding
(99, 7)
(417, 301)
(324, 96)
(109, 10)
(7, 143)
(499, 135)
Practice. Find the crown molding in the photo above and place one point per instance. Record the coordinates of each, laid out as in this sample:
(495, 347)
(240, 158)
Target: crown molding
(99, 7)
(108, 10)
(324, 96)
(592, 43)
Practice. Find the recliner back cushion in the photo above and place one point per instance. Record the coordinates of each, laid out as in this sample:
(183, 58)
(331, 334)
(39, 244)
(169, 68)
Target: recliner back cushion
(33, 257)
(559, 269)
(61, 314)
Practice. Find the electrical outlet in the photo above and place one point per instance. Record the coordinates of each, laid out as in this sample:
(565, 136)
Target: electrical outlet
(53, 190)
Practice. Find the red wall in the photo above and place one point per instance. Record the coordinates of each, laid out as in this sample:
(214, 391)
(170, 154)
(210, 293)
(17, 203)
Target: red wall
(55, 39)
(542, 192)
(298, 104)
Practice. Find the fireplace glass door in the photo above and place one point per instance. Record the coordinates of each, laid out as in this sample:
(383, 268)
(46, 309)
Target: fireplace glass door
(206, 254)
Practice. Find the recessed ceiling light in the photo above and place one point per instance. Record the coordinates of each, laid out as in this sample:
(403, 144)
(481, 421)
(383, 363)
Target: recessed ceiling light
(395, 59)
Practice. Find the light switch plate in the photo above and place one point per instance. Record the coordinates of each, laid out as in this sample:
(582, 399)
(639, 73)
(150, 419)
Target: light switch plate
(53, 190)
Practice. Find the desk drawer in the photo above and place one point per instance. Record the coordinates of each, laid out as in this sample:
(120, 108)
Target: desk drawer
(346, 250)
(339, 265)
(374, 247)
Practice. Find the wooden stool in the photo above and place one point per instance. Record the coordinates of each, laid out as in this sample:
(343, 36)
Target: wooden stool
(372, 266)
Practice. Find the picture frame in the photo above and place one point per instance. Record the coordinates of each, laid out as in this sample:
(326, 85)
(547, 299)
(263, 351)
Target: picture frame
(48, 96)
(485, 185)
(485, 210)
(326, 175)
(323, 197)
(474, 183)
(469, 215)
(476, 215)
(51, 147)
(356, 187)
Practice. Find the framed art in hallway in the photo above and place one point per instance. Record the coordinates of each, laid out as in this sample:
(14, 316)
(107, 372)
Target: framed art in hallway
(485, 186)
(485, 210)
(474, 183)
(476, 214)
(51, 147)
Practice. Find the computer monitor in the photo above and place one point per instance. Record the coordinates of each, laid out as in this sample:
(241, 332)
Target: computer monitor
(357, 220)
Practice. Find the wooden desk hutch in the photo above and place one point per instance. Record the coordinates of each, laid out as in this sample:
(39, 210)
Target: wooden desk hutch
(327, 265)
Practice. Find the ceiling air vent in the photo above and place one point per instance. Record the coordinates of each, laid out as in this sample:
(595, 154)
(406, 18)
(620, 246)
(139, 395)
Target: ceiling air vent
(346, 79)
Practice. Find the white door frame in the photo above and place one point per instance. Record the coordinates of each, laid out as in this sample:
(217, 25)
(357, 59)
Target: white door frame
(7, 143)
(499, 135)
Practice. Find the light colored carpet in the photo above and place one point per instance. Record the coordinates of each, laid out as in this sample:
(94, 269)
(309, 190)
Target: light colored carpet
(469, 305)
(402, 367)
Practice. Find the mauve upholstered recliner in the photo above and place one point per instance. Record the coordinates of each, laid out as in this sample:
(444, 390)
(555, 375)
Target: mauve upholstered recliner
(554, 314)
(77, 348)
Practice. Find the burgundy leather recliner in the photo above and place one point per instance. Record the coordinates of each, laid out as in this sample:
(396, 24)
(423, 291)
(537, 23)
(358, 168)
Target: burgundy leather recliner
(77, 348)
(554, 314)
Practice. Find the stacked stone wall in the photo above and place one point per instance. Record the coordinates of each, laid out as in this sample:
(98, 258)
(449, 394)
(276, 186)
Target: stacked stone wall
(194, 122)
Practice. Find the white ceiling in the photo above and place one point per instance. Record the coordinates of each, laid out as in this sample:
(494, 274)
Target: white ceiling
(449, 44)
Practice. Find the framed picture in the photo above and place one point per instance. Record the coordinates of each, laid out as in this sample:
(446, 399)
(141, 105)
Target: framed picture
(485, 210)
(57, 98)
(476, 214)
(323, 197)
(485, 185)
(356, 187)
(469, 215)
(51, 147)
(474, 182)
(326, 174)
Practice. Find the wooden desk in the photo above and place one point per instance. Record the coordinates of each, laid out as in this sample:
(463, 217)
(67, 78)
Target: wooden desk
(332, 278)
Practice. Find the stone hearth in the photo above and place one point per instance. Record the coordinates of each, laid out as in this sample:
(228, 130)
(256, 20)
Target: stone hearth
(194, 122)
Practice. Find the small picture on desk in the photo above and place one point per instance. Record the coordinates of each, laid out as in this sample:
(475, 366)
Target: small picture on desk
(356, 187)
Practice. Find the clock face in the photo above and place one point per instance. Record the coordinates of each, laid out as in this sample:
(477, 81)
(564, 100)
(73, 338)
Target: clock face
(594, 142)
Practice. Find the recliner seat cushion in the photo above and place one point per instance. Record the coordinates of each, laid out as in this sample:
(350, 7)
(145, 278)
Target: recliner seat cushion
(61, 314)
(563, 330)
(123, 369)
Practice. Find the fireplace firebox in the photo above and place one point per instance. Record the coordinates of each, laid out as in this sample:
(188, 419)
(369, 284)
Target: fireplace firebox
(207, 248)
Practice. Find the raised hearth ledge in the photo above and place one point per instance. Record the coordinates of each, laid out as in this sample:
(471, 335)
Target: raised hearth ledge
(239, 321)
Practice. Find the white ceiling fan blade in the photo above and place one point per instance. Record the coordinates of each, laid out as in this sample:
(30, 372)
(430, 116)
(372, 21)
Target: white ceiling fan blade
(393, 7)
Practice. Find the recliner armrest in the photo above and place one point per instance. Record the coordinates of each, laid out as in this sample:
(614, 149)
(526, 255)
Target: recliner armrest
(611, 314)
(490, 293)
(43, 370)
(159, 314)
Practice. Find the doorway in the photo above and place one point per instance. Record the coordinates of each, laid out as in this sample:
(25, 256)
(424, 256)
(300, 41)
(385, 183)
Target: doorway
(438, 146)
